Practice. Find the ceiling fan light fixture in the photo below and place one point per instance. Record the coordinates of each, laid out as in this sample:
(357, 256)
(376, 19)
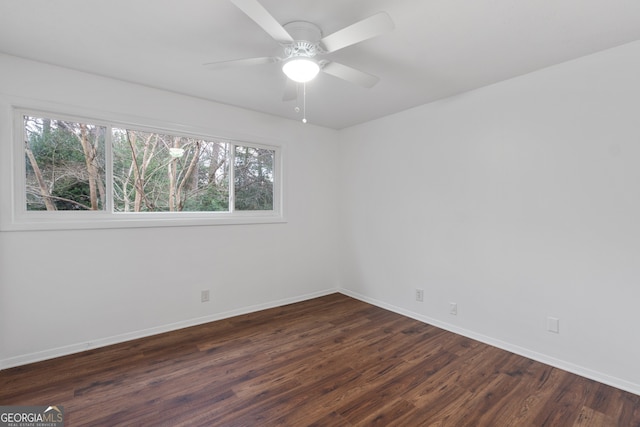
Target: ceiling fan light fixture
(301, 69)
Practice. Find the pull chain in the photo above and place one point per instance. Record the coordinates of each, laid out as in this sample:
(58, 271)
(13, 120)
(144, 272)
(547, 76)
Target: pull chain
(304, 102)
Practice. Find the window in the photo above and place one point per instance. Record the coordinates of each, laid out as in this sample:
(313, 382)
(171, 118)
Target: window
(156, 172)
(64, 165)
(89, 172)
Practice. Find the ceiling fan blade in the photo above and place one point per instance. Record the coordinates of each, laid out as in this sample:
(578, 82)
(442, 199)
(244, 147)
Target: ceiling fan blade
(242, 62)
(290, 90)
(350, 74)
(264, 19)
(372, 26)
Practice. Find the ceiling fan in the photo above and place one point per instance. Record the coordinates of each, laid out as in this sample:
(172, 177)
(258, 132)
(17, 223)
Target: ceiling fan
(304, 45)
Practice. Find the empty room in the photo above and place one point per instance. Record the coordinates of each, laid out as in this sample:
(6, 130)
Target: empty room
(336, 213)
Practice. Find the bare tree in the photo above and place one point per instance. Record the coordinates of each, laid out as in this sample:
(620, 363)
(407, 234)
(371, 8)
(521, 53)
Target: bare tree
(90, 150)
(140, 166)
(44, 190)
(189, 175)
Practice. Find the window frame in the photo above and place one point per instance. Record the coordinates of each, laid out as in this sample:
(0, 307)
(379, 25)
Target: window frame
(22, 219)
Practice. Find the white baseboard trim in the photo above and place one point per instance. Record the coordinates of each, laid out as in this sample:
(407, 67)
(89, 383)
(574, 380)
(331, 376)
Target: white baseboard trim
(539, 357)
(117, 339)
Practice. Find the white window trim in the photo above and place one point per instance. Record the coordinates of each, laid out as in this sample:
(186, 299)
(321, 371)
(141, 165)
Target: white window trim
(21, 219)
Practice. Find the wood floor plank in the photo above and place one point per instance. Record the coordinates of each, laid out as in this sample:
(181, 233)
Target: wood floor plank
(329, 361)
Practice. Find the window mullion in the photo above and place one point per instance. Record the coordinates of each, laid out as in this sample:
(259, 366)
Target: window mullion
(232, 177)
(108, 165)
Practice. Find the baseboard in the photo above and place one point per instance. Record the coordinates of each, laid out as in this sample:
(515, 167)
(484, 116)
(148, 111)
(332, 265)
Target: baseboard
(540, 357)
(117, 339)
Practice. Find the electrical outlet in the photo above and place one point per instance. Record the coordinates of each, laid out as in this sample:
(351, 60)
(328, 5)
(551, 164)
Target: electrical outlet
(204, 296)
(553, 325)
(419, 295)
(453, 308)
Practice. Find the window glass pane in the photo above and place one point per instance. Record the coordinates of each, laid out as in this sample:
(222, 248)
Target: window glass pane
(64, 165)
(154, 172)
(253, 178)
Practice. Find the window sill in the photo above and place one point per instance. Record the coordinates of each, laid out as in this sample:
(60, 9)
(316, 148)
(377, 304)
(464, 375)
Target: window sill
(70, 221)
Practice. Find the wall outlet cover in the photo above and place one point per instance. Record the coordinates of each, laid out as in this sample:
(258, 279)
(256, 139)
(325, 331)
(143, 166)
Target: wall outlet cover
(204, 296)
(453, 308)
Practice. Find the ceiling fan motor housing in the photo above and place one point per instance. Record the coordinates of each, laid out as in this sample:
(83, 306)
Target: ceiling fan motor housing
(301, 48)
(307, 39)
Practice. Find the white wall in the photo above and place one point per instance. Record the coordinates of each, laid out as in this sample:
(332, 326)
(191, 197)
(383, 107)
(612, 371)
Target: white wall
(63, 291)
(517, 201)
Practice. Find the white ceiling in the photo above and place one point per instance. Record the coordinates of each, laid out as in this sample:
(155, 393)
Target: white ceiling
(439, 47)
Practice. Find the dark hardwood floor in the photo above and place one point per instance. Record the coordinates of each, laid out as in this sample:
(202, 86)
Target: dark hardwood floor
(331, 361)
